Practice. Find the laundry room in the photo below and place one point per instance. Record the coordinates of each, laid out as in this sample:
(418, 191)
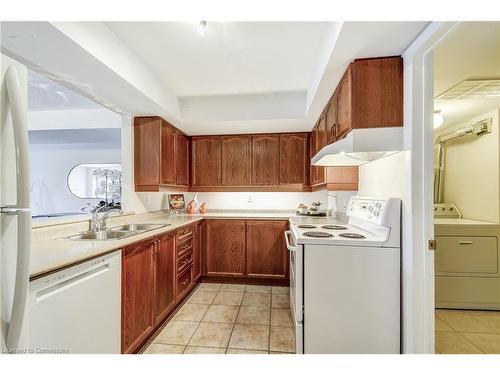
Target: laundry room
(466, 189)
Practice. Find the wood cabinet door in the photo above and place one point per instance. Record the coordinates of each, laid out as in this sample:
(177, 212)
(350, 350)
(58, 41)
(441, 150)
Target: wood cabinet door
(198, 250)
(137, 294)
(317, 174)
(265, 159)
(377, 89)
(164, 276)
(206, 161)
(266, 254)
(181, 160)
(342, 178)
(322, 139)
(331, 120)
(147, 153)
(293, 159)
(167, 170)
(236, 160)
(344, 114)
(225, 247)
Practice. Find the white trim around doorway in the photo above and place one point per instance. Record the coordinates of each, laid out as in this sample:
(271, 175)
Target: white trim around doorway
(417, 260)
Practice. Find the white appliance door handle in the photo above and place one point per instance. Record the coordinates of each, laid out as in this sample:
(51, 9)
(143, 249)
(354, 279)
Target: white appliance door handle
(18, 108)
(287, 239)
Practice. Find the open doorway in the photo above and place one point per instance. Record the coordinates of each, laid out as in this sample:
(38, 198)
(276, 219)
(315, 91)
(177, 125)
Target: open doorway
(467, 189)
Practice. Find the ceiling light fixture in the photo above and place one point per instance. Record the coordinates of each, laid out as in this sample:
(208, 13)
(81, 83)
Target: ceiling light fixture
(202, 27)
(438, 119)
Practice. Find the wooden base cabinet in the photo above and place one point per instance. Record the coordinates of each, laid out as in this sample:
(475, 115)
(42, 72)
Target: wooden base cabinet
(198, 251)
(225, 247)
(266, 253)
(164, 276)
(137, 294)
(246, 249)
(156, 276)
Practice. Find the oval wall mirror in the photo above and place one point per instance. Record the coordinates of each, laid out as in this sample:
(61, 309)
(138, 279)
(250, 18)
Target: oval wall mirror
(96, 181)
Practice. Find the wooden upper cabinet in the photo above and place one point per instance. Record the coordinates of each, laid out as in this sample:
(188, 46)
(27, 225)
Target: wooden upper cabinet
(265, 159)
(331, 119)
(236, 160)
(317, 174)
(164, 276)
(147, 153)
(322, 139)
(137, 294)
(225, 247)
(167, 168)
(181, 159)
(206, 161)
(160, 155)
(377, 89)
(370, 95)
(266, 253)
(344, 109)
(294, 159)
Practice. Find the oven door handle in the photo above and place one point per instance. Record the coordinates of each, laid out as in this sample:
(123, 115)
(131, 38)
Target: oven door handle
(289, 246)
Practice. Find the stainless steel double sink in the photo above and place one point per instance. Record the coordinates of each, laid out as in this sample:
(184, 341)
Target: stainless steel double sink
(116, 233)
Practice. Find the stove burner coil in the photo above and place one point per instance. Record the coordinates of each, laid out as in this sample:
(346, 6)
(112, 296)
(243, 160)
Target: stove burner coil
(317, 234)
(352, 235)
(334, 227)
(307, 226)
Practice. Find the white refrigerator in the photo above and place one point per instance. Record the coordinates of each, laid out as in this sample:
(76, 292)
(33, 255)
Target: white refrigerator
(15, 214)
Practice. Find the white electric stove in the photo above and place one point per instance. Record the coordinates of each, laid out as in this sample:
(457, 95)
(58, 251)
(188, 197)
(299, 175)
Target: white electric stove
(345, 279)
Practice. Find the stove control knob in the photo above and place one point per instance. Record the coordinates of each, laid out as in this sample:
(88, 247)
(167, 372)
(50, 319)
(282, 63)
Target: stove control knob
(375, 213)
(370, 208)
(377, 204)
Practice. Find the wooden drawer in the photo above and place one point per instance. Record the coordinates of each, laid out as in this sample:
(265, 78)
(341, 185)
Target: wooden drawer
(184, 233)
(184, 262)
(184, 247)
(462, 255)
(184, 281)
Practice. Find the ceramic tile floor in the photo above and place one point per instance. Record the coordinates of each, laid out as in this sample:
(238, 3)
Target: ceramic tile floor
(230, 319)
(467, 332)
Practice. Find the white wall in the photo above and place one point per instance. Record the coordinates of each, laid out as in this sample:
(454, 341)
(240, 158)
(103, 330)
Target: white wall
(237, 200)
(50, 165)
(386, 177)
(472, 171)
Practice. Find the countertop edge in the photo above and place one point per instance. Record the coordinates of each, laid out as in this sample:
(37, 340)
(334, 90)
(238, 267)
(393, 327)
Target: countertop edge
(107, 247)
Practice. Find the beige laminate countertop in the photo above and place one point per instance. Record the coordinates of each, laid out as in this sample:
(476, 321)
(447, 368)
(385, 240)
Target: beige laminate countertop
(50, 254)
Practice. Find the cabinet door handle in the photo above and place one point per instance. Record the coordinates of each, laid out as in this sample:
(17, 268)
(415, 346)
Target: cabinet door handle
(465, 242)
(185, 282)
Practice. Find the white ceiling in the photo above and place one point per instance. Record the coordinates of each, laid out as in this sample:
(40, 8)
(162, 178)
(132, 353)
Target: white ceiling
(472, 50)
(248, 77)
(260, 76)
(230, 58)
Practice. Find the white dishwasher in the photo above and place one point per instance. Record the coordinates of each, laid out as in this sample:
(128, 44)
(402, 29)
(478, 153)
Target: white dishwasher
(77, 309)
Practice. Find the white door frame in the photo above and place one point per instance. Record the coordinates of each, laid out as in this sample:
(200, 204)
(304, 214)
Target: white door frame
(418, 261)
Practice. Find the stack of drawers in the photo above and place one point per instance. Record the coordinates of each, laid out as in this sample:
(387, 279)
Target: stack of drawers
(184, 244)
